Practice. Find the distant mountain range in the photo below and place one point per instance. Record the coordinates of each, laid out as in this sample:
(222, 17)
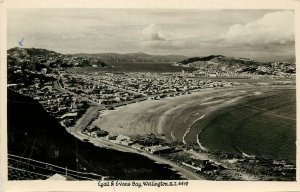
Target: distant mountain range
(132, 57)
(37, 59)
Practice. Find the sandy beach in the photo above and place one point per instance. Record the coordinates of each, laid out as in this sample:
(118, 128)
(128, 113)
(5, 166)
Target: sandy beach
(196, 118)
(170, 118)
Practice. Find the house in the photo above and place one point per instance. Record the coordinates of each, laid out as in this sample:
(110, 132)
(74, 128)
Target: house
(158, 149)
(127, 143)
(44, 70)
(122, 138)
(111, 137)
(137, 146)
(99, 133)
(192, 166)
(196, 164)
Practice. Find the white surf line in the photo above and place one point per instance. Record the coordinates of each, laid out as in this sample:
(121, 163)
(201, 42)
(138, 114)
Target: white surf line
(189, 128)
(245, 154)
(205, 99)
(201, 147)
(198, 141)
(172, 135)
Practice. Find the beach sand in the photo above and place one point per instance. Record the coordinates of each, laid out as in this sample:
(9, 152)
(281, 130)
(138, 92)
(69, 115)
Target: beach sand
(187, 119)
(169, 118)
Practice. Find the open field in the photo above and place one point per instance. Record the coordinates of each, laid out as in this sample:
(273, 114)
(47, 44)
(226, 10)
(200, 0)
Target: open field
(257, 120)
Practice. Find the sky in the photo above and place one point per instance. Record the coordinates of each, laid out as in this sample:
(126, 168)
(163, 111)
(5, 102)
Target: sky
(257, 34)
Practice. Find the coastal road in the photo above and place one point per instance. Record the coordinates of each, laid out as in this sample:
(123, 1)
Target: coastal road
(184, 172)
(85, 121)
(106, 144)
(87, 118)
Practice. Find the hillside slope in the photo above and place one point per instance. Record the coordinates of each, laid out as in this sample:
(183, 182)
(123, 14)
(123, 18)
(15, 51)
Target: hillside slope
(220, 63)
(37, 59)
(33, 133)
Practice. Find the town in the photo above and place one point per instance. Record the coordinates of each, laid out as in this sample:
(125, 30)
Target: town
(67, 95)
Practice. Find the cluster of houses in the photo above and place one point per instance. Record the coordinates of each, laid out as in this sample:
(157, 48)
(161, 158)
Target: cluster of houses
(194, 164)
(248, 69)
(202, 165)
(126, 141)
(112, 88)
(92, 88)
(44, 59)
(94, 131)
(154, 84)
(63, 106)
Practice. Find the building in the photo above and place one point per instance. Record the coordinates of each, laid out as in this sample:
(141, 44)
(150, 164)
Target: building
(110, 137)
(127, 143)
(193, 166)
(196, 164)
(158, 149)
(137, 146)
(99, 133)
(122, 138)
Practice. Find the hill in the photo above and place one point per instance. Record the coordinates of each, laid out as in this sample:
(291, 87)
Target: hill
(220, 63)
(33, 133)
(35, 59)
(133, 57)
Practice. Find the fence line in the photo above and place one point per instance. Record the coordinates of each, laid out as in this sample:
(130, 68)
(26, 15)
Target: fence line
(60, 169)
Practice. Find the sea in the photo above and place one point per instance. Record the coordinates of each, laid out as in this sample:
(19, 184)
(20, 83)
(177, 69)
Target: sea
(263, 127)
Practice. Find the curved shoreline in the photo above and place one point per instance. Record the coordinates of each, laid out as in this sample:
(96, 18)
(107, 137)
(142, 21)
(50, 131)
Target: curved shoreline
(273, 124)
(86, 119)
(172, 108)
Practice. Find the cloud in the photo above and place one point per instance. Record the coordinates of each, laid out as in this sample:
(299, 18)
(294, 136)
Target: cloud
(174, 44)
(151, 33)
(154, 38)
(275, 28)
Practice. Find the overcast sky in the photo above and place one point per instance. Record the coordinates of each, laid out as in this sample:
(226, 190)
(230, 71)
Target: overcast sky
(259, 34)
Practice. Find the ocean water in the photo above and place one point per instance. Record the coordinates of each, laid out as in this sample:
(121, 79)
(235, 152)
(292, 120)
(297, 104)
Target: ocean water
(264, 127)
